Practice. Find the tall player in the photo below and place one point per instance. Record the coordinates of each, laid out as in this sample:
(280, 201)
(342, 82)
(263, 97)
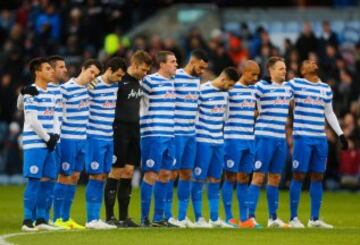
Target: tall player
(39, 144)
(73, 141)
(100, 145)
(273, 99)
(58, 64)
(157, 136)
(313, 103)
(209, 160)
(187, 83)
(239, 143)
(126, 140)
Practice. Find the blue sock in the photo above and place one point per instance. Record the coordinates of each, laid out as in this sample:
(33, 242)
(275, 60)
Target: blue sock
(196, 196)
(68, 199)
(294, 192)
(272, 194)
(253, 198)
(59, 195)
(50, 201)
(160, 197)
(184, 190)
(94, 191)
(241, 192)
(43, 199)
(30, 197)
(169, 199)
(213, 197)
(316, 192)
(146, 192)
(227, 191)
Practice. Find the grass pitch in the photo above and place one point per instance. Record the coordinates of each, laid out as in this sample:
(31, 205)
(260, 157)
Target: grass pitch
(340, 209)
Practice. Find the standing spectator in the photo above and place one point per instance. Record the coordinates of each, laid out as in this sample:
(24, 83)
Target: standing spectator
(306, 42)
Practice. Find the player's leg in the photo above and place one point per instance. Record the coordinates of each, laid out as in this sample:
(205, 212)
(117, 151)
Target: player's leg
(68, 151)
(151, 158)
(121, 142)
(74, 172)
(317, 168)
(243, 178)
(231, 167)
(187, 160)
(46, 191)
(33, 167)
(201, 166)
(214, 178)
(263, 152)
(160, 188)
(97, 165)
(276, 167)
(300, 164)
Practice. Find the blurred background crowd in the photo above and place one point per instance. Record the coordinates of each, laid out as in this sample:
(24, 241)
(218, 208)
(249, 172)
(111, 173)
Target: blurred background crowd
(80, 29)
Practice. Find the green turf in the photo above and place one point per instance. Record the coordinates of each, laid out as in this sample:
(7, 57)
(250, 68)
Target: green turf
(339, 209)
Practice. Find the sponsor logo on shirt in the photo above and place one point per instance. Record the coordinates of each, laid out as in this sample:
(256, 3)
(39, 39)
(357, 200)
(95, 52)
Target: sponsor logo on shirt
(135, 94)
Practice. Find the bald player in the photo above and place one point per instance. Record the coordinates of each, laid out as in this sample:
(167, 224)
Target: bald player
(239, 143)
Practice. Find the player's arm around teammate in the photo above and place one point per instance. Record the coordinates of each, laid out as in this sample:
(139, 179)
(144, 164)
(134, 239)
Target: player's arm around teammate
(100, 145)
(126, 140)
(239, 143)
(73, 140)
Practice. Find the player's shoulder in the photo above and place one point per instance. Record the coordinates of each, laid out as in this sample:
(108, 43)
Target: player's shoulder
(205, 85)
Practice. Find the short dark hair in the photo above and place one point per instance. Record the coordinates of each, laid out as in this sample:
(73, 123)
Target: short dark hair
(272, 61)
(161, 56)
(140, 57)
(115, 63)
(89, 62)
(54, 58)
(231, 73)
(200, 54)
(35, 64)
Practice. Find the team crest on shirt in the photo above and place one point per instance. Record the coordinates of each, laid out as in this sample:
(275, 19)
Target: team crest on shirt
(114, 158)
(65, 166)
(197, 171)
(94, 165)
(295, 164)
(323, 92)
(230, 163)
(150, 163)
(34, 169)
(258, 164)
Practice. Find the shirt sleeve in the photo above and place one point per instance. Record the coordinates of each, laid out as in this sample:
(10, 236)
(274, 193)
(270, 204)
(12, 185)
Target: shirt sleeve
(332, 119)
(20, 102)
(146, 86)
(32, 120)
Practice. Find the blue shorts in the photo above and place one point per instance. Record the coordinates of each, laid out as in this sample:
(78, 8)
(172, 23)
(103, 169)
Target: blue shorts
(157, 153)
(271, 155)
(72, 156)
(40, 163)
(185, 152)
(310, 154)
(99, 156)
(239, 156)
(209, 161)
